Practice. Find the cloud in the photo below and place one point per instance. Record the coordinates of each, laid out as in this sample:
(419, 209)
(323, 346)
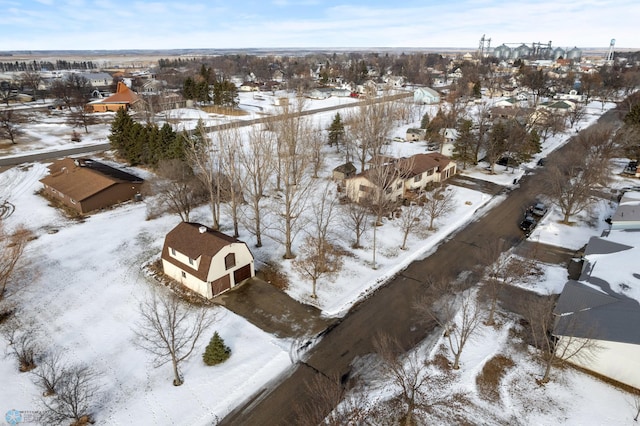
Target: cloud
(101, 24)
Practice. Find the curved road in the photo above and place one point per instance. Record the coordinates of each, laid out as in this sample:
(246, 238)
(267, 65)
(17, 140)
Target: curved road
(389, 310)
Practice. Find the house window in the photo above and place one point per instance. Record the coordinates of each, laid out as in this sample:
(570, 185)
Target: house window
(173, 251)
(430, 172)
(230, 261)
(190, 261)
(417, 178)
(399, 185)
(184, 274)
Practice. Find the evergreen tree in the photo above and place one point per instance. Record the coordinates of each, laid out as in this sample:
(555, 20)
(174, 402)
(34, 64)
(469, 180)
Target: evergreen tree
(633, 116)
(216, 351)
(336, 131)
(120, 131)
(463, 146)
(424, 123)
(477, 93)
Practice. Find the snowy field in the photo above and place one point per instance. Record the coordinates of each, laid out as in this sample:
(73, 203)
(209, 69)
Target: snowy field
(86, 283)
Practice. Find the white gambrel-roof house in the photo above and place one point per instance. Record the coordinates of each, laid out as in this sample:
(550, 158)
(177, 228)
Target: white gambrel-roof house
(206, 261)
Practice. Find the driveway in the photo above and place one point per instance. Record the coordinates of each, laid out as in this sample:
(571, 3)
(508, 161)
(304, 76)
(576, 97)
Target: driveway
(273, 310)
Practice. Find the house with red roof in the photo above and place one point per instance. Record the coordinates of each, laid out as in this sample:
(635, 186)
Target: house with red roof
(123, 98)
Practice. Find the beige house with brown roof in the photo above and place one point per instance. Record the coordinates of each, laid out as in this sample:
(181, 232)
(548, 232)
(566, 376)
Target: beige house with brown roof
(409, 174)
(123, 98)
(86, 185)
(206, 261)
(428, 168)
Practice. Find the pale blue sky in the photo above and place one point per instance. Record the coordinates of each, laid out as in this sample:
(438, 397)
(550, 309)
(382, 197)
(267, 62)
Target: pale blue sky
(161, 24)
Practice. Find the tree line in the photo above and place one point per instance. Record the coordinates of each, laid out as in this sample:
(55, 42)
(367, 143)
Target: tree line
(59, 64)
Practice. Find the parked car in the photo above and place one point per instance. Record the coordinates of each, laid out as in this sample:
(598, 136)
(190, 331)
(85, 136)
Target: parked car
(398, 139)
(538, 209)
(508, 162)
(433, 146)
(528, 224)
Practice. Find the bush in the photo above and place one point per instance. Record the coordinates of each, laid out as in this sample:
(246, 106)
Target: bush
(216, 351)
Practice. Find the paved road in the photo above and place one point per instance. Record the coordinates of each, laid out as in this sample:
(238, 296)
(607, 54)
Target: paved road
(389, 310)
(8, 162)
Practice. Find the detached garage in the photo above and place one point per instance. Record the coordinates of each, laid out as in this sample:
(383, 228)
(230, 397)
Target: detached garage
(206, 261)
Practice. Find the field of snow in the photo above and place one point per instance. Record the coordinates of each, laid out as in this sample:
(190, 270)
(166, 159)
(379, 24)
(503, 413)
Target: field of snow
(86, 283)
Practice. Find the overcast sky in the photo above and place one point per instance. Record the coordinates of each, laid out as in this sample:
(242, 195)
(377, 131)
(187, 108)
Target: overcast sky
(175, 24)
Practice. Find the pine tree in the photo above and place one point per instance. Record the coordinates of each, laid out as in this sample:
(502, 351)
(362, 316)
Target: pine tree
(120, 130)
(424, 123)
(336, 131)
(216, 351)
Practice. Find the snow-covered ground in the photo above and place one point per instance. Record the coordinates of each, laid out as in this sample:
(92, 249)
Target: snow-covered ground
(87, 282)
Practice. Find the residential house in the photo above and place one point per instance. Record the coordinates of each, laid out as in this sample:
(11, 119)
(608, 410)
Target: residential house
(97, 79)
(378, 182)
(414, 135)
(86, 185)
(344, 171)
(206, 261)
(627, 215)
(123, 98)
(426, 96)
(424, 169)
(603, 306)
(506, 103)
(402, 175)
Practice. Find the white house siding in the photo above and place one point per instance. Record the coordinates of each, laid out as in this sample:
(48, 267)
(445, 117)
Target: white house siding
(243, 258)
(617, 361)
(188, 280)
(184, 259)
(354, 192)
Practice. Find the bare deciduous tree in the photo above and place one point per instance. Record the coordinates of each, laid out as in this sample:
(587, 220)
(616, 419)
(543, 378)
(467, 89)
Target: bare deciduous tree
(203, 157)
(356, 216)
(22, 341)
(77, 394)
(11, 122)
(31, 79)
(576, 114)
(169, 330)
(457, 314)
(584, 167)
(50, 372)
(229, 148)
(293, 156)
(316, 143)
(387, 180)
(257, 166)
(175, 188)
(369, 127)
(410, 219)
(332, 404)
(406, 372)
(12, 245)
(438, 203)
(319, 256)
(556, 351)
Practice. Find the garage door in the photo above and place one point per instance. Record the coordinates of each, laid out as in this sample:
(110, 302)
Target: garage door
(242, 274)
(220, 285)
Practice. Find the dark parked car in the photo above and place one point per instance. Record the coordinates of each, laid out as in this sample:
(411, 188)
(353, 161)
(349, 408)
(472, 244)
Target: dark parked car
(508, 162)
(527, 224)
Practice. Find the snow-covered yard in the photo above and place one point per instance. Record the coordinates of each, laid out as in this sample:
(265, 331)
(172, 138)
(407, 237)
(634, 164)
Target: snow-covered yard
(86, 282)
